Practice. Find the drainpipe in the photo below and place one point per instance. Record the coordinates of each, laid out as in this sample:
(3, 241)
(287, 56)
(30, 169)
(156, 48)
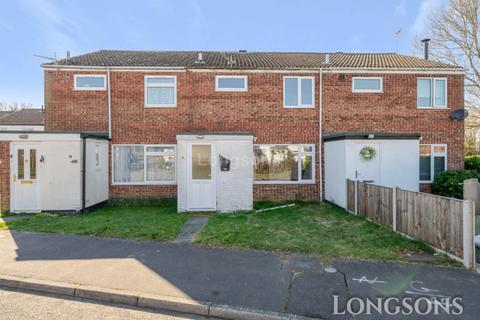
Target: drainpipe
(109, 93)
(84, 173)
(320, 128)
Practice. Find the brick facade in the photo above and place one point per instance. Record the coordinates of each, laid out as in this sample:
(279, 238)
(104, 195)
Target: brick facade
(260, 110)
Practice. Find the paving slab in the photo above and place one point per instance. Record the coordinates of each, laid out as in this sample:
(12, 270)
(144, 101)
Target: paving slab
(190, 229)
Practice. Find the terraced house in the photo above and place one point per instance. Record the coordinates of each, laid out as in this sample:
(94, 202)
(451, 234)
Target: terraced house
(218, 130)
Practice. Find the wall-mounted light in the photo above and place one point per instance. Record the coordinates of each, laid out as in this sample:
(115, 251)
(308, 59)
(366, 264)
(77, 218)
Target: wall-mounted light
(200, 137)
(23, 136)
(371, 136)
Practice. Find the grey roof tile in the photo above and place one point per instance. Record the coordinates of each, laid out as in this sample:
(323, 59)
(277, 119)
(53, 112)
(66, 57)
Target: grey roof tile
(249, 60)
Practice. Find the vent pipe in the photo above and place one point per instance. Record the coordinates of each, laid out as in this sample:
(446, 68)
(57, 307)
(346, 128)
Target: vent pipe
(327, 58)
(425, 47)
(199, 58)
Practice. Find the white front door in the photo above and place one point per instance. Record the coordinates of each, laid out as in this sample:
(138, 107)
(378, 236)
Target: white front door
(201, 194)
(25, 178)
(367, 168)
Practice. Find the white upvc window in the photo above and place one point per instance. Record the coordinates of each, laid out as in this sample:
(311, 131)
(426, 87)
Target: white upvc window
(90, 82)
(284, 164)
(367, 84)
(231, 83)
(432, 92)
(143, 164)
(160, 91)
(298, 92)
(433, 159)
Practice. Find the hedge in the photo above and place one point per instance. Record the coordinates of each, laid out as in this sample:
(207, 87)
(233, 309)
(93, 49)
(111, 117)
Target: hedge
(472, 163)
(450, 183)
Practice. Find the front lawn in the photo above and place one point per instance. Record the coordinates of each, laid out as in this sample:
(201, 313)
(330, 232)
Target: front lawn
(129, 222)
(309, 228)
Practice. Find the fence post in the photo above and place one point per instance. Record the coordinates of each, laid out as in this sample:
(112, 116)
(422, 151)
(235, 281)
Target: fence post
(356, 196)
(394, 209)
(468, 234)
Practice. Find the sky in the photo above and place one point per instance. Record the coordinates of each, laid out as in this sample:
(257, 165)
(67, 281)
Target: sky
(45, 27)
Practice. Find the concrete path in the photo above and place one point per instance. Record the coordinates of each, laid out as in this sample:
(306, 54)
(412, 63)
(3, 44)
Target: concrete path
(253, 279)
(191, 229)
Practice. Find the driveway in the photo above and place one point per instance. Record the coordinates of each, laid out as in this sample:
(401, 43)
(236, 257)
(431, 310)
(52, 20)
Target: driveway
(245, 278)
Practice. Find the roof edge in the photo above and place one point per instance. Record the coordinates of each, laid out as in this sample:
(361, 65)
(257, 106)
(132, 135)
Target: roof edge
(334, 136)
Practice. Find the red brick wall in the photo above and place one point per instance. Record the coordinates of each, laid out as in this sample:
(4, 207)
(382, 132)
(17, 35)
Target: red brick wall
(260, 110)
(199, 107)
(395, 110)
(4, 176)
(70, 110)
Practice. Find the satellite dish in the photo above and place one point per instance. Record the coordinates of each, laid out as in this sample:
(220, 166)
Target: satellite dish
(459, 115)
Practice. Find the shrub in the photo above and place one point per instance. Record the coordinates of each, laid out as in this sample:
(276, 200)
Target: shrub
(472, 163)
(450, 183)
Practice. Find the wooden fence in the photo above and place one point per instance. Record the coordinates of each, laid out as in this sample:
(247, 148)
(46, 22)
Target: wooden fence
(445, 223)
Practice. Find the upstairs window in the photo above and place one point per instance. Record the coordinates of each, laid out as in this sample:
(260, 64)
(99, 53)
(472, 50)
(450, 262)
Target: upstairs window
(231, 83)
(432, 93)
(93, 82)
(298, 92)
(367, 85)
(160, 91)
(433, 159)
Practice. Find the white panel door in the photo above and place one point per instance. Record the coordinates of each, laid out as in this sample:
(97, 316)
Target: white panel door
(367, 170)
(25, 178)
(201, 192)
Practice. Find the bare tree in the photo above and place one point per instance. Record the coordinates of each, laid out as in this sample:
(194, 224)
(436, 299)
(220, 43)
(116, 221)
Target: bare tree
(14, 106)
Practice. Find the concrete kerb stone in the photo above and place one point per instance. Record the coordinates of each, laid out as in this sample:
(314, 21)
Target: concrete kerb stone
(167, 303)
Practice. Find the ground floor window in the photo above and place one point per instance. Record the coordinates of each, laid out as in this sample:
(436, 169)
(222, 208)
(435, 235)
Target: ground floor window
(433, 159)
(284, 163)
(143, 164)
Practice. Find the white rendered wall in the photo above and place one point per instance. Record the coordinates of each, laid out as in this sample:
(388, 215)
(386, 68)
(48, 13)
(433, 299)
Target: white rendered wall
(60, 175)
(335, 175)
(398, 165)
(21, 128)
(234, 188)
(96, 179)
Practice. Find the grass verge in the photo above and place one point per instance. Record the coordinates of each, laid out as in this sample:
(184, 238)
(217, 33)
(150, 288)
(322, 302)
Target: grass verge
(309, 228)
(129, 222)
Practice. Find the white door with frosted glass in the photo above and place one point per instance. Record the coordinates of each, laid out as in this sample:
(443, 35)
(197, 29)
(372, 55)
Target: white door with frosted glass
(367, 170)
(25, 178)
(201, 194)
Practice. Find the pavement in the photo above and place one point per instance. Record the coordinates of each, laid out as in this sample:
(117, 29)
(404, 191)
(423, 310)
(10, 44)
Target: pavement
(269, 281)
(21, 305)
(191, 228)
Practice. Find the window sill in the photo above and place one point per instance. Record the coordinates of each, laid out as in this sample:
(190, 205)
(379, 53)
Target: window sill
(160, 106)
(367, 91)
(433, 108)
(166, 183)
(284, 182)
(89, 89)
(299, 107)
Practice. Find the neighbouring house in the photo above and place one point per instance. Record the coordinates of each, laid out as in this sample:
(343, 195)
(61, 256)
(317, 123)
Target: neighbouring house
(218, 130)
(22, 120)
